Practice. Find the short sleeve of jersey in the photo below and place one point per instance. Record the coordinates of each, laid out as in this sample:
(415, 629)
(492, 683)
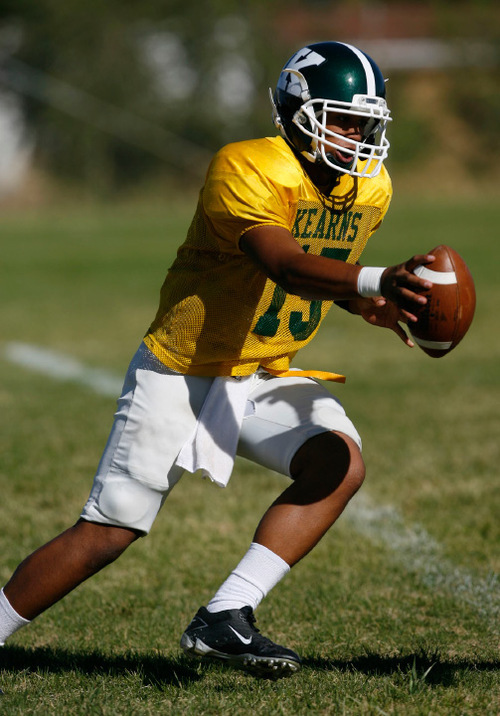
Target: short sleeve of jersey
(248, 184)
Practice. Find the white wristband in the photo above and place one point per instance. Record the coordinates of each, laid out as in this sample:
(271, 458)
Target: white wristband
(369, 281)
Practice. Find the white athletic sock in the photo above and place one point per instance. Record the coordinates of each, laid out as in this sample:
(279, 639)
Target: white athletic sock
(10, 620)
(257, 573)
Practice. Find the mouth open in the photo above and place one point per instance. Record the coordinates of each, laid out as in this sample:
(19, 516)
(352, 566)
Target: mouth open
(341, 157)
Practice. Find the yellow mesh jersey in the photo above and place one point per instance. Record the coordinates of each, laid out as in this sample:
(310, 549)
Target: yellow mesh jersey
(218, 313)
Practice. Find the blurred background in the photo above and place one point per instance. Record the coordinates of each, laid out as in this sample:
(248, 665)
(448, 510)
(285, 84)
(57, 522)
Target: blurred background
(111, 100)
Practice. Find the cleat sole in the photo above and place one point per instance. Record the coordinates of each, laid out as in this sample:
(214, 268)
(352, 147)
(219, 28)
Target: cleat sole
(257, 665)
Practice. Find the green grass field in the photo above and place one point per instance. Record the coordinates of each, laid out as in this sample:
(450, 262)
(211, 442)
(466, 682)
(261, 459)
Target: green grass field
(395, 612)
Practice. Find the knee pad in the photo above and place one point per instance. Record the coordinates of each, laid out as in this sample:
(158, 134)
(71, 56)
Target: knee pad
(128, 503)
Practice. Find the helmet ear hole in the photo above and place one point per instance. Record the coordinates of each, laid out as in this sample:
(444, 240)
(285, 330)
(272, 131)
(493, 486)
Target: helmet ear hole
(303, 127)
(289, 119)
(302, 142)
(305, 117)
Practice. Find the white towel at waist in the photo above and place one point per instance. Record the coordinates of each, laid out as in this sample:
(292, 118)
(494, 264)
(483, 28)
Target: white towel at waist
(212, 446)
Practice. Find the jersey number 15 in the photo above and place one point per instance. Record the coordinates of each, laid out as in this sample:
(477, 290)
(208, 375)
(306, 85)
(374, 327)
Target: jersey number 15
(269, 322)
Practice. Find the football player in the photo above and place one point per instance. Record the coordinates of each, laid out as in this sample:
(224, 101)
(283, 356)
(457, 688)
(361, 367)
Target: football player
(275, 241)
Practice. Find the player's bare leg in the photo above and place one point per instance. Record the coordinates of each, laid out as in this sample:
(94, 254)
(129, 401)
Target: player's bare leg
(327, 470)
(62, 564)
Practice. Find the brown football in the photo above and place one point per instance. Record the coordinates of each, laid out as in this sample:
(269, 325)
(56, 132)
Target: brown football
(448, 313)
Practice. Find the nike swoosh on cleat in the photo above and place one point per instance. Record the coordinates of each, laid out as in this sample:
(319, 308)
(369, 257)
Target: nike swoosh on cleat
(242, 638)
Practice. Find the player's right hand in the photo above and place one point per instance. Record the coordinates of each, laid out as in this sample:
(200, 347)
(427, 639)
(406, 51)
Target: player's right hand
(400, 285)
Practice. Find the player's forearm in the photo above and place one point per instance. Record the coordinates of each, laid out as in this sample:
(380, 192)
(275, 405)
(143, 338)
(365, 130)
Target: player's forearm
(318, 278)
(285, 262)
(312, 277)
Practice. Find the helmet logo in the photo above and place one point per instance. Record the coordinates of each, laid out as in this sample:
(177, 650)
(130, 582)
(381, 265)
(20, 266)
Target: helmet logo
(292, 80)
(305, 58)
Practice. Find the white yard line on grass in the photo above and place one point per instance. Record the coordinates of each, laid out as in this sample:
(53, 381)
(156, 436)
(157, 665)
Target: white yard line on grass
(420, 554)
(412, 546)
(62, 367)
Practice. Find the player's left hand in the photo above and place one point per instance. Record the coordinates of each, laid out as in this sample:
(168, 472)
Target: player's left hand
(384, 313)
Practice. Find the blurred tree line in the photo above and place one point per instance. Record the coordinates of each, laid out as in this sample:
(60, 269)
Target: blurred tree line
(474, 91)
(118, 92)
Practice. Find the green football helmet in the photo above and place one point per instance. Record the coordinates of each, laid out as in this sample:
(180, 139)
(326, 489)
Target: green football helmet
(324, 79)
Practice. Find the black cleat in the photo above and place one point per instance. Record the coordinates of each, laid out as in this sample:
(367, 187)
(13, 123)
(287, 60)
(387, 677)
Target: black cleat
(232, 636)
